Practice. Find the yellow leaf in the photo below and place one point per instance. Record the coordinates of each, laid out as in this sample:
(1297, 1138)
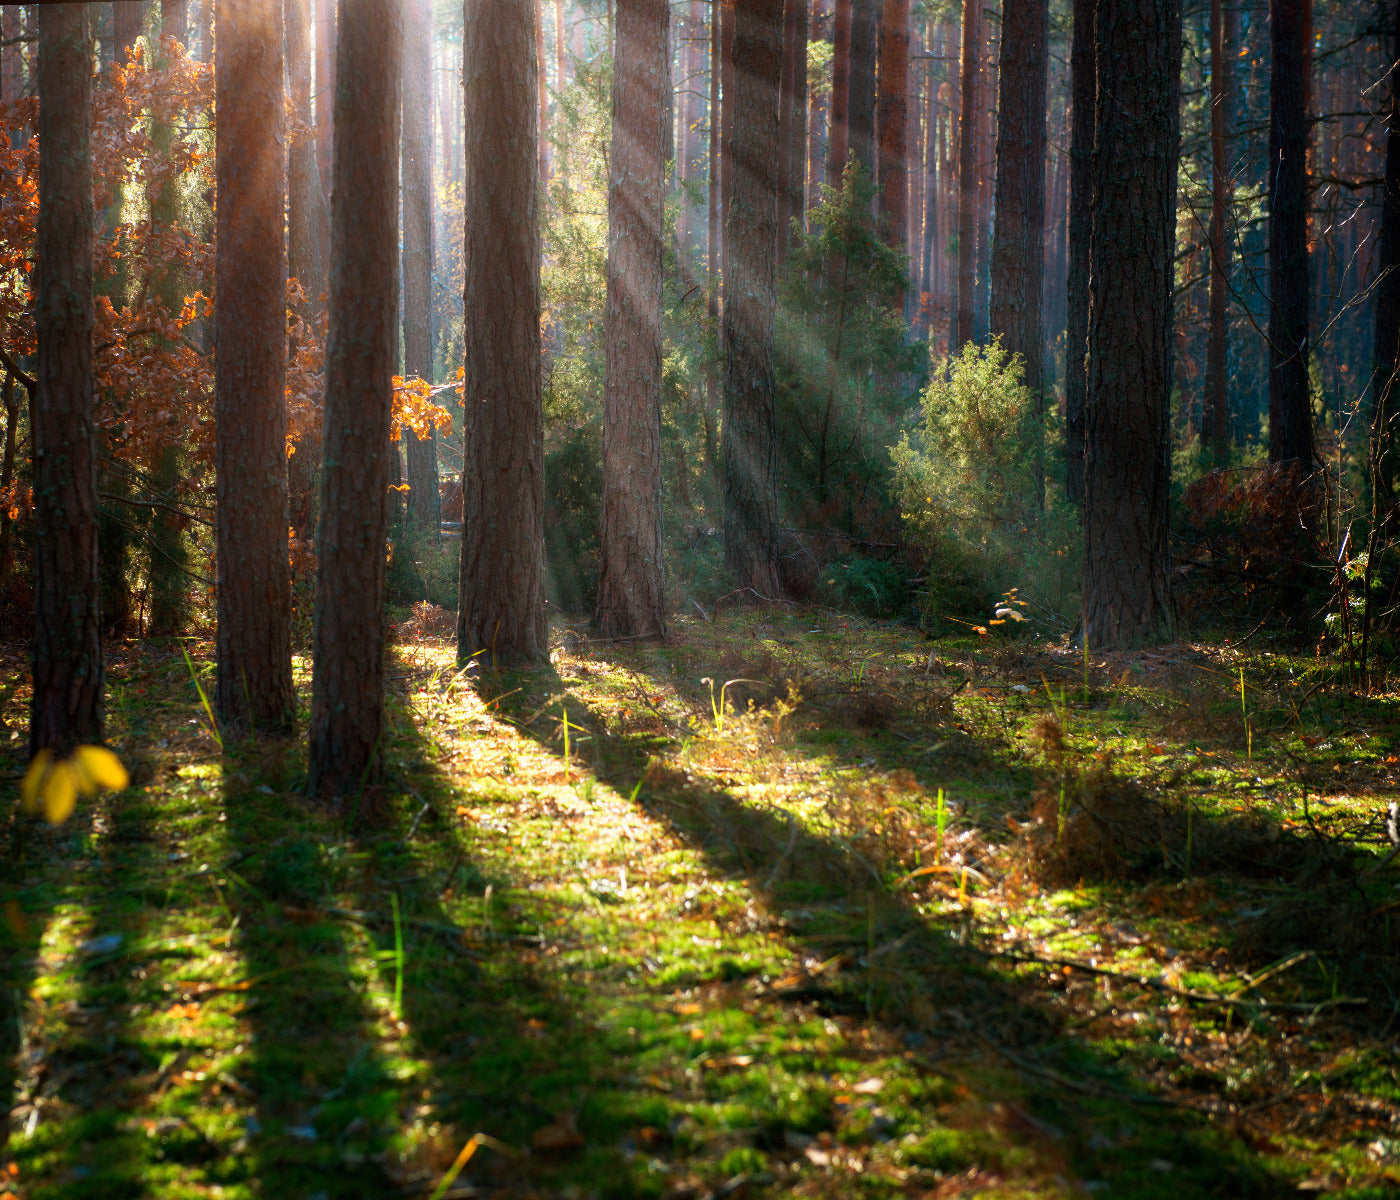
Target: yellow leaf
(29, 786)
(60, 793)
(99, 768)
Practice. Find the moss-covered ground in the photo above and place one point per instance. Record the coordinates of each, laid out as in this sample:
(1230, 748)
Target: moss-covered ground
(886, 917)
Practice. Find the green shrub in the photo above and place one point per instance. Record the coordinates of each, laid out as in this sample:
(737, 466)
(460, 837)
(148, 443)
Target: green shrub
(967, 487)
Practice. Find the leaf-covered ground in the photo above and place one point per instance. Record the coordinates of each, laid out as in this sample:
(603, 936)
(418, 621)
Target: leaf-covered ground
(660, 936)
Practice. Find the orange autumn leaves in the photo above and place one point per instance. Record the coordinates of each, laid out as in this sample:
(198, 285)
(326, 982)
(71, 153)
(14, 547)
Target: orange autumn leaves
(153, 272)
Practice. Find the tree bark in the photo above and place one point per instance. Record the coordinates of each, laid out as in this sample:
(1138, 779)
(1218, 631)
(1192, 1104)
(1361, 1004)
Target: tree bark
(750, 444)
(420, 454)
(1290, 402)
(306, 200)
(631, 598)
(1083, 81)
(175, 19)
(325, 88)
(1216, 409)
(502, 613)
(713, 235)
(1386, 345)
(1127, 460)
(786, 122)
(964, 323)
(1018, 249)
(347, 693)
(860, 117)
(892, 120)
(127, 18)
(66, 708)
(254, 682)
(838, 138)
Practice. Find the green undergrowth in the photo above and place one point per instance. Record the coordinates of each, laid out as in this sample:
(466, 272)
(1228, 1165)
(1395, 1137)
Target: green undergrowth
(794, 904)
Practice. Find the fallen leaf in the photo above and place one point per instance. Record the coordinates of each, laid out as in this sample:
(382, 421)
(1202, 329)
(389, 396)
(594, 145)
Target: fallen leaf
(560, 1134)
(868, 1087)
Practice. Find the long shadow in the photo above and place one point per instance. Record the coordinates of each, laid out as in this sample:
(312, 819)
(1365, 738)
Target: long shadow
(313, 1062)
(505, 1046)
(916, 977)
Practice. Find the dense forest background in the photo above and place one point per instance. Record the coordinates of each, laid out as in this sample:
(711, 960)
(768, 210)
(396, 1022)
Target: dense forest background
(884, 507)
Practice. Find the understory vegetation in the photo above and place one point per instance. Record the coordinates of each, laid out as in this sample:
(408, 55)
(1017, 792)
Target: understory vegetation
(797, 903)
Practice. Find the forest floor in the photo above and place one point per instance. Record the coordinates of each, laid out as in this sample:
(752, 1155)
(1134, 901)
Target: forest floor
(890, 917)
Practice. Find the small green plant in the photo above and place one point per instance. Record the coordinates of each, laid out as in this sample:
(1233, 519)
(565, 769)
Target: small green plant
(397, 956)
(718, 704)
(565, 723)
(940, 821)
(1244, 714)
(213, 725)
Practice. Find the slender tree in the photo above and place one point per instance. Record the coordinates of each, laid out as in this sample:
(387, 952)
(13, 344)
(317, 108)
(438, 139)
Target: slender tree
(1127, 452)
(750, 444)
(127, 19)
(964, 322)
(891, 119)
(1018, 247)
(631, 600)
(1384, 400)
(501, 613)
(66, 707)
(838, 138)
(306, 200)
(325, 89)
(254, 682)
(1083, 77)
(714, 215)
(860, 118)
(791, 112)
(1215, 411)
(347, 691)
(1290, 404)
(416, 175)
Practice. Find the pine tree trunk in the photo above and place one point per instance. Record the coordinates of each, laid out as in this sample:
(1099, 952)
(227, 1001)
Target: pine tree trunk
(1384, 397)
(502, 597)
(797, 173)
(325, 91)
(254, 689)
(306, 256)
(347, 696)
(986, 182)
(750, 447)
(127, 18)
(1018, 252)
(838, 138)
(892, 120)
(175, 19)
(1127, 463)
(1083, 77)
(631, 598)
(860, 116)
(728, 86)
(66, 707)
(1216, 409)
(424, 504)
(1290, 404)
(786, 121)
(969, 103)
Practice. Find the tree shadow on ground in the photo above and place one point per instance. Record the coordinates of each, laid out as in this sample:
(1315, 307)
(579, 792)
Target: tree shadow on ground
(1050, 1094)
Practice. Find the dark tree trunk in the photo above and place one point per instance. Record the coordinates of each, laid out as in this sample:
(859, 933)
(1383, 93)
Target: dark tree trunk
(797, 172)
(306, 200)
(750, 447)
(325, 90)
(11, 54)
(963, 325)
(631, 599)
(860, 117)
(347, 693)
(502, 613)
(254, 689)
(420, 454)
(1215, 414)
(728, 87)
(892, 116)
(66, 709)
(7, 477)
(1386, 347)
(712, 258)
(541, 97)
(127, 18)
(175, 19)
(1018, 251)
(1290, 404)
(838, 138)
(787, 122)
(1081, 227)
(1127, 457)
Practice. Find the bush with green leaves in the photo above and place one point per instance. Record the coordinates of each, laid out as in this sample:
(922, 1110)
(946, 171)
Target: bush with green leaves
(968, 493)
